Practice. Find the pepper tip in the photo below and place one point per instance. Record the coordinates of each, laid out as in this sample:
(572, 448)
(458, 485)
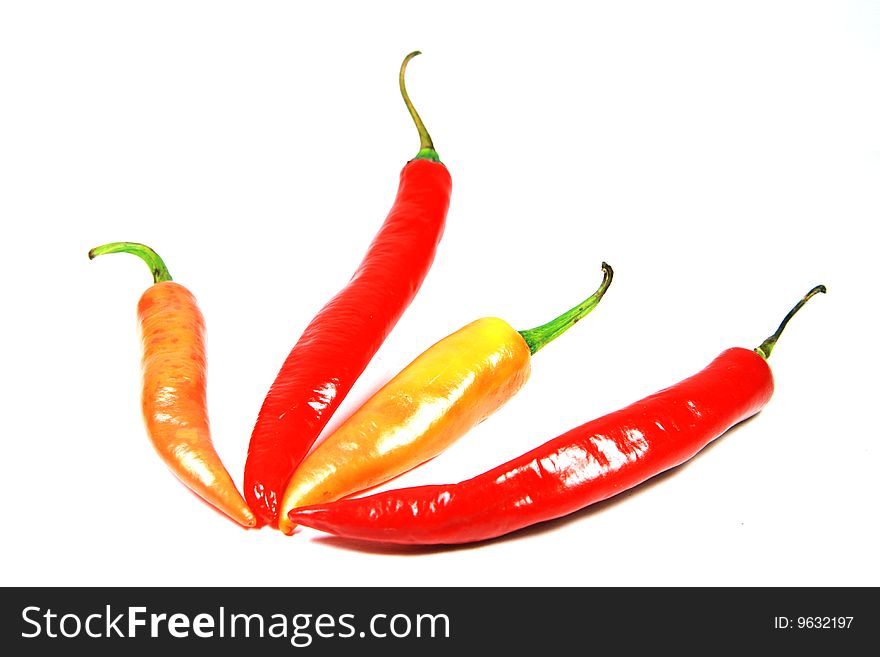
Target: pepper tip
(286, 527)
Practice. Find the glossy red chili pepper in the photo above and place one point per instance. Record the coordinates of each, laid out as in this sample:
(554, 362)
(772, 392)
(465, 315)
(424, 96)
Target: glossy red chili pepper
(341, 340)
(590, 463)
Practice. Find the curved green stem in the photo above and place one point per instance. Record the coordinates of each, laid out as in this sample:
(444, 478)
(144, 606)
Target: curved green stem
(766, 347)
(145, 253)
(426, 148)
(545, 334)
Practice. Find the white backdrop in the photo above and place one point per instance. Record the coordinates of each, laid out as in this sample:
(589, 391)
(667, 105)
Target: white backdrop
(722, 157)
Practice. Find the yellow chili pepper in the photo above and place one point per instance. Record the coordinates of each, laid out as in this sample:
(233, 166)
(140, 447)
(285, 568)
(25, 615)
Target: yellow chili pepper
(431, 403)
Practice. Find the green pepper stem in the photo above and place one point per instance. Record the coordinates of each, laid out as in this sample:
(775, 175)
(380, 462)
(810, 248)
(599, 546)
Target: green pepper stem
(543, 335)
(145, 253)
(766, 347)
(426, 148)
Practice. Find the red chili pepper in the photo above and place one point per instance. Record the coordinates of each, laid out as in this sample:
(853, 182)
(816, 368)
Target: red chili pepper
(585, 465)
(341, 340)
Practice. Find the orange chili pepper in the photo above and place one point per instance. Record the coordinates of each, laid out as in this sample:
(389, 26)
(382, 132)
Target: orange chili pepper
(431, 403)
(174, 386)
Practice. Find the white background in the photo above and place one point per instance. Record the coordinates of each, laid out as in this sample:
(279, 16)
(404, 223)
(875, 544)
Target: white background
(722, 157)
